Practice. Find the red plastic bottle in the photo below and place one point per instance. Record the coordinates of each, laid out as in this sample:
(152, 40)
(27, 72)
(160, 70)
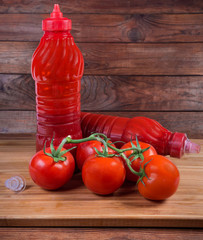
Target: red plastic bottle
(57, 67)
(147, 130)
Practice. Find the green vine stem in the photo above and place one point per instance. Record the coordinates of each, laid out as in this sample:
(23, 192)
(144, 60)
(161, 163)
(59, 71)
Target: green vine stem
(57, 155)
(120, 152)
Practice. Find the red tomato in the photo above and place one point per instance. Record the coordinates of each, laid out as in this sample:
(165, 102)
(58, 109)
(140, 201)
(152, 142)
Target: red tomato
(163, 178)
(49, 174)
(103, 175)
(136, 163)
(86, 151)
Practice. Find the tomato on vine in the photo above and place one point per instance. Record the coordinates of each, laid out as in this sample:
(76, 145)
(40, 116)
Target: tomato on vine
(86, 150)
(136, 157)
(50, 168)
(158, 177)
(161, 178)
(103, 175)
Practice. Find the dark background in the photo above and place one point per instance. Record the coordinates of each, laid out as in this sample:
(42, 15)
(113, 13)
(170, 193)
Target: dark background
(141, 58)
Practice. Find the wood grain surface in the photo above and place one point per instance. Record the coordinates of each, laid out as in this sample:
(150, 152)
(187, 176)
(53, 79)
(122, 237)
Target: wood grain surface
(74, 205)
(105, 6)
(100, 233)
(116, 59)
(109, 28)
(114, 93)
(186, 122)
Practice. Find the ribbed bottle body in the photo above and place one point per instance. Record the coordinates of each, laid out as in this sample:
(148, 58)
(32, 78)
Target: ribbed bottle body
(124, 129)
(111, 126)
(57, 68)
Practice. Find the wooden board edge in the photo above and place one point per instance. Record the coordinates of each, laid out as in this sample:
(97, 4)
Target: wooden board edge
(102, 222)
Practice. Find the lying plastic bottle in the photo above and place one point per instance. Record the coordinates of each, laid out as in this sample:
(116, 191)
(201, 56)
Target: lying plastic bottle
(146, 130)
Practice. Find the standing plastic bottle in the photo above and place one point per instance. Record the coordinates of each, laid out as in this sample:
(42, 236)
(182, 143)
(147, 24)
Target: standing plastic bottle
(57, 68)
(147, 130)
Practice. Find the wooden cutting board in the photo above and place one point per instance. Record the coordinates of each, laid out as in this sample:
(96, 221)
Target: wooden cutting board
(74, 205)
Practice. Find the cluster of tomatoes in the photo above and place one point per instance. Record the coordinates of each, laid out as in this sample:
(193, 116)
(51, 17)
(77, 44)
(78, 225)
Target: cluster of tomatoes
(105, 168)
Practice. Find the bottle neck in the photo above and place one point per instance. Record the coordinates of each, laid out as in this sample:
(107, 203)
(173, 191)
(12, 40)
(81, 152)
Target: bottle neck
(57, 34)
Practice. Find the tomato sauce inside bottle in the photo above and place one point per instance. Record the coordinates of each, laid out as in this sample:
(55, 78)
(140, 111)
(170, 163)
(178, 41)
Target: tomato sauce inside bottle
(147, 130)
(57, 68)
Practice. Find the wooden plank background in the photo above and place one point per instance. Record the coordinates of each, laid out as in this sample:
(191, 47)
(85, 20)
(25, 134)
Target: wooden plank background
(141, 58)
(97, 233)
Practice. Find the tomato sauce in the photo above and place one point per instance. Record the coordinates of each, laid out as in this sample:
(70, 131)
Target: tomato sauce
(147, 130)
(57, 68)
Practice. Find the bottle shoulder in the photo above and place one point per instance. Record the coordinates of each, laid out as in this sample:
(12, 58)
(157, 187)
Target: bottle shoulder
(56, 44)
(56, 58)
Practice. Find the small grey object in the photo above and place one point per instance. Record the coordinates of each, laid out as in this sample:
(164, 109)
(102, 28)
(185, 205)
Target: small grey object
(16, 183)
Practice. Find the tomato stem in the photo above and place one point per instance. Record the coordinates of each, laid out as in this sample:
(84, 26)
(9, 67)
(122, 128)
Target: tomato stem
(128, 162)
(57, 155)
(143, 173)
(70, 140)
(137, 151)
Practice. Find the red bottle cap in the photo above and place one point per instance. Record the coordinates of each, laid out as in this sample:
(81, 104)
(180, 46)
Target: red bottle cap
(177, 145)
(180, 144)
(56, 22)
